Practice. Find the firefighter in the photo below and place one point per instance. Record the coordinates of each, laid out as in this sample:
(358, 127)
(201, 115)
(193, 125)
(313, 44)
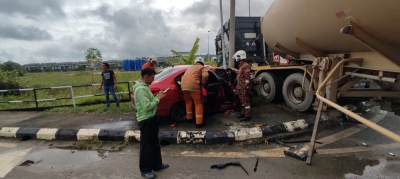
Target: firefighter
(192, 81)
(151, 61)
(243, 84)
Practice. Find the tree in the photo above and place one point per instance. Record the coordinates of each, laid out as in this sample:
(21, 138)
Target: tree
(92, 56)
(12, 66)
(180, 59)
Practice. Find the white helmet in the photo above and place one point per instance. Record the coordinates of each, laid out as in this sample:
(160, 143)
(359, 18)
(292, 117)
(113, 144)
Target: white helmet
(152, 58)
(199, 59)
(239, 55)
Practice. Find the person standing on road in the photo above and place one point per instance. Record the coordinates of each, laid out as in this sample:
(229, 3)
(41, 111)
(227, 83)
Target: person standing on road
(243, 84)
(151, 61)
(146, 106)
(109, 81)
(192, 81)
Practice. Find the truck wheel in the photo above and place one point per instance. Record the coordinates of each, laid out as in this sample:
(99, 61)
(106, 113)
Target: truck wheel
(295, 97)
(270, 87)
(178, 112)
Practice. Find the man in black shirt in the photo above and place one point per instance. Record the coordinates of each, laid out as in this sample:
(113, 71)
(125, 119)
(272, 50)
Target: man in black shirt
(109, 81)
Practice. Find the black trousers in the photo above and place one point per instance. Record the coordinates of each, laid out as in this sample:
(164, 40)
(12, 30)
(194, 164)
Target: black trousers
(150, 151)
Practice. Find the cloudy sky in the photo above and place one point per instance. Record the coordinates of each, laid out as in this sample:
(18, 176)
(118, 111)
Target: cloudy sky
(37, 31)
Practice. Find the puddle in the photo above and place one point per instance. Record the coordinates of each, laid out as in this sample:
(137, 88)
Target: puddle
(110, 125)
(385, 169)
(59, 157)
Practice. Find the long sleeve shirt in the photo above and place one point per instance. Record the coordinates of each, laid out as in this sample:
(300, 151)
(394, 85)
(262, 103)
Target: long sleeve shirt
(192, 78)
(244, 76)
(145, 102)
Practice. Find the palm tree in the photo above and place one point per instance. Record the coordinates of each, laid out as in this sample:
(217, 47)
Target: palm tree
(180, 59)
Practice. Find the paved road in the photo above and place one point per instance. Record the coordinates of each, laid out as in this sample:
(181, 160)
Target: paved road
(341, 155)
(268, 114)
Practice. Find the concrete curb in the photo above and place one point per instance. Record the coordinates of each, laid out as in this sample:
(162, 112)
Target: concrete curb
(208, 137)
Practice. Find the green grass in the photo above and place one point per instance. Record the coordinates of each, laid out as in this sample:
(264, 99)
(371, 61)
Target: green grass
(89, 144)
(50, 79)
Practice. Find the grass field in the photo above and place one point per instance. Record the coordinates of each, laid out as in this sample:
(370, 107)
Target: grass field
(51, 79)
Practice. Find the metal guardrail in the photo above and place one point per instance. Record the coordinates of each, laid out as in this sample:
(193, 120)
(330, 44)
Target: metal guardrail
(73, 97)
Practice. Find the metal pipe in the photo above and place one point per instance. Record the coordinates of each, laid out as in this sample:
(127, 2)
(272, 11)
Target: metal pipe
(222, 35)
(385, 79)
(366, 122)
(73, 96)
(35, 98)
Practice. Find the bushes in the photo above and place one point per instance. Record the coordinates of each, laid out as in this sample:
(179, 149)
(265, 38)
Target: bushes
(9, 80)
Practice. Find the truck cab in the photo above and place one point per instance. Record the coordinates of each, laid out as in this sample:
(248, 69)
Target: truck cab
(248, 37)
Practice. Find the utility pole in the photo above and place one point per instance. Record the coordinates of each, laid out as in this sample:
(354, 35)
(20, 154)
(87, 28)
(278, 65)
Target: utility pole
(249, 8)
(232, 34)
(222, 35)
(208, 51)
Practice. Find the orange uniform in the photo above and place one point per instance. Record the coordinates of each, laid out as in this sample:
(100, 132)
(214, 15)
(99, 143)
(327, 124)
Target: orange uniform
(148, 65)
(191, 89)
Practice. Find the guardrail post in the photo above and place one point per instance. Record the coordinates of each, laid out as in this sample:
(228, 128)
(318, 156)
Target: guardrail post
(36, 103)
(73, 96)
(129, 89)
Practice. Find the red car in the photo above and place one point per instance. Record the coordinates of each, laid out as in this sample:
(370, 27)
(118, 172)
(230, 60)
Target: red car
(220, 94)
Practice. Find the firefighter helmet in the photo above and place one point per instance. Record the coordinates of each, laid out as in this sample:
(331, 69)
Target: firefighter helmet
(239, 55)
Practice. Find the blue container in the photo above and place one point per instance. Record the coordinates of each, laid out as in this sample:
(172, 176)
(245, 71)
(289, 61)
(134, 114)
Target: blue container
(126, 65)
(138, 64)
(132, 64)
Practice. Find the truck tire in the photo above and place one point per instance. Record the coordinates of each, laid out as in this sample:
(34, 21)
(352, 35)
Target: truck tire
(295, 97)
(270, 87)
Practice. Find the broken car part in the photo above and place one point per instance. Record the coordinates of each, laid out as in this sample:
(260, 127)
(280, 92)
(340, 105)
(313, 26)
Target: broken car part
(221, 166)
(255, 167)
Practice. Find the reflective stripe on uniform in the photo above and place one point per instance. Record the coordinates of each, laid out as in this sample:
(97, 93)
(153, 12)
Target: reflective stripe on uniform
(188, 112)
(199, 115)
(247, 107)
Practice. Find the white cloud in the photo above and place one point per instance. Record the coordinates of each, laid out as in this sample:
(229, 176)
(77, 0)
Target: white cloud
(60, 31)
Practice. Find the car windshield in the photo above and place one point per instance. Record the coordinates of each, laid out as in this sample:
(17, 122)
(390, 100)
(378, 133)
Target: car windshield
(164, 73)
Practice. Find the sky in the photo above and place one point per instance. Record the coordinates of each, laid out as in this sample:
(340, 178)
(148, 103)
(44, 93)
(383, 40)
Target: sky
(40, 31)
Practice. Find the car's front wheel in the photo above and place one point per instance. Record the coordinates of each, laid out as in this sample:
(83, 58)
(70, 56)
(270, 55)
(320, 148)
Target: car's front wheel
(178, 112)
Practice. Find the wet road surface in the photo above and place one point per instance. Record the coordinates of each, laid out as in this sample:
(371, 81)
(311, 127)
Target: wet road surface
(342, 155)
(267, 114)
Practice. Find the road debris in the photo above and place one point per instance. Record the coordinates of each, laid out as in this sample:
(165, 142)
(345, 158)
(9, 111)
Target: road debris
(299, 152)
(221, 166)
(255, 167)
(27, 163)
(233, 127)
(392, 154)
(229, 111)
(259, 125)
(365, 144)
(245, 123)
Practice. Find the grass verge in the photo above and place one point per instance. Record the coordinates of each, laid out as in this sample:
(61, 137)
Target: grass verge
(88, 145)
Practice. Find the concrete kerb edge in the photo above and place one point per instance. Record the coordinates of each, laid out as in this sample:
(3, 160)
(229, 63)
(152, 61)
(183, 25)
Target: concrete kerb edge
(208, 137)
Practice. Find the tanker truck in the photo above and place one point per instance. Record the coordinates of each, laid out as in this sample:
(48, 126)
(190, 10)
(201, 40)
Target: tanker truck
(340, 42)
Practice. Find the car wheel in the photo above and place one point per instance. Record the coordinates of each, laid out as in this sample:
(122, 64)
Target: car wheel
(295, 97)
(178, 112)
(270, 87)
